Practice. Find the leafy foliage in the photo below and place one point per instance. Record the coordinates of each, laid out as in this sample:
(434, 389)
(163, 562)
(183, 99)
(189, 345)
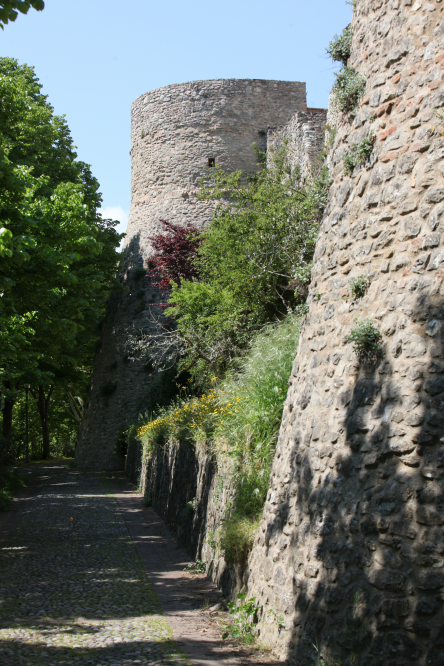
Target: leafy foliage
(8, 9)
(359, 286)
(359, 153)
(347, 90)
(196, 567)
(243, 618)
(254, 263)
(366, 340)
(57, 256)
(175, 250)
(340, 46)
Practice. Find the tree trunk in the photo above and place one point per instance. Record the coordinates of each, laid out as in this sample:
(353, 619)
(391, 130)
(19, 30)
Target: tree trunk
(7, 412)
(43, 407)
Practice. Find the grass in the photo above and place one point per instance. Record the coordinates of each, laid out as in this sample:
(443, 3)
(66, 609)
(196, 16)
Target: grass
(239, 418)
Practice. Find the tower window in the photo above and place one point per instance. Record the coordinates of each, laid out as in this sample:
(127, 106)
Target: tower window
(211, 162)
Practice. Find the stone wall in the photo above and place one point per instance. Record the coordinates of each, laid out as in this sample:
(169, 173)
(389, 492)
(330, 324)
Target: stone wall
(350, 551)
(191, 490)
(304, 139)
(175, 131)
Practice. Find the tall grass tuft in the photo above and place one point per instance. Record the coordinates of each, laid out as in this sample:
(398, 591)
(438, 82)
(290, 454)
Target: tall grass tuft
(252, 429)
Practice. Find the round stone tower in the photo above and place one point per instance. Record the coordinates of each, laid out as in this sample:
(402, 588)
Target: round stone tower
(177, 132)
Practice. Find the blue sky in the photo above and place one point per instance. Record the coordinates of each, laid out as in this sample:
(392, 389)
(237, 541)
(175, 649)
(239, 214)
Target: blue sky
(94, 57)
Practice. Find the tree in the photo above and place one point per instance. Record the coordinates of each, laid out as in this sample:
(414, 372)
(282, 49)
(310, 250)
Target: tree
(58, 258)
(254, 264)
(251, 266)
(8, 9)
(174, 251)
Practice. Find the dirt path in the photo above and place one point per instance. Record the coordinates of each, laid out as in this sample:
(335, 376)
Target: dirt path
(91, 590)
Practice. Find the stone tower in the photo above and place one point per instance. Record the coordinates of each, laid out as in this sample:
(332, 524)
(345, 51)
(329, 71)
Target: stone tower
(176, 133)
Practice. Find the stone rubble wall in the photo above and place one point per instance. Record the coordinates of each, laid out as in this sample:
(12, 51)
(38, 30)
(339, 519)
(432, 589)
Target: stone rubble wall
(304, 139)
(192, 491)
(350, 550)
(174, 132)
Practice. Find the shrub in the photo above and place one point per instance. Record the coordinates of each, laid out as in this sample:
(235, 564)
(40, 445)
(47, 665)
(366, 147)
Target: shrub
(340, 46)
(237, 537)
(366, 340)
(174, 251)
(359, 285)
(260, 242)
(359, 153)
(243, 617)
(347, 90)
(318, 191)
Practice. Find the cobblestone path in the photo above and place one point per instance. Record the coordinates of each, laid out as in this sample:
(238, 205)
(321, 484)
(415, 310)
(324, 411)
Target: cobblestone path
(74, 591)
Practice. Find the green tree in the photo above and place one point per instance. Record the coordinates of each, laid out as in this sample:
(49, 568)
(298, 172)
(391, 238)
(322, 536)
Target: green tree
(254, 263)
(58, 258)
(9, 9)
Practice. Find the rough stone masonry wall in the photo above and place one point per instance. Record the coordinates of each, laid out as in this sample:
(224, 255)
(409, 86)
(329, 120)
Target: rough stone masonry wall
(191, 490)
(174, 132)
(350, 551)
(303, 137)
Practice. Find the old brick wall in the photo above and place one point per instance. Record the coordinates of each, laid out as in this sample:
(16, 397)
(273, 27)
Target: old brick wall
(349, 555)
(174, 132)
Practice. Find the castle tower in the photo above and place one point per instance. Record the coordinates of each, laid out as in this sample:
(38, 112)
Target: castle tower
(176, 133)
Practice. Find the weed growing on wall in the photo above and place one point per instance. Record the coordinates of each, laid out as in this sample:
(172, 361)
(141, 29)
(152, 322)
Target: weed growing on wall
(348, 90)
(366, 340)
(340, 46)
(359, 286)
(359, 153)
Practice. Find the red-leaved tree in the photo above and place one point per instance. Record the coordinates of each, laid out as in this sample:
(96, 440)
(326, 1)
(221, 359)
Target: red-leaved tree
(175, 248)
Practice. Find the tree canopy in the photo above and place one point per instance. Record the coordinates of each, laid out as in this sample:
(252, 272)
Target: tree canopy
(58, 257)
(9, 9)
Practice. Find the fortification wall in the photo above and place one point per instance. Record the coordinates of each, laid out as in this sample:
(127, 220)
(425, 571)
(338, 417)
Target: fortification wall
(175, 131)
(303, 137)
(350, 549)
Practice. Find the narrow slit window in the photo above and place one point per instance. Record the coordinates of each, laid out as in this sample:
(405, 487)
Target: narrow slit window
(211, 162)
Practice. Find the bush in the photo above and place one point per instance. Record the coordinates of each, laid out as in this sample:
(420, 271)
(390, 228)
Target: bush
(366, 340)
(253, 264)
(359, 286)
(340, 46)
(237, 537)
(347, 90)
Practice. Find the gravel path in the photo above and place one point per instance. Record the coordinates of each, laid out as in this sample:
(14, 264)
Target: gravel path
(74, 591)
